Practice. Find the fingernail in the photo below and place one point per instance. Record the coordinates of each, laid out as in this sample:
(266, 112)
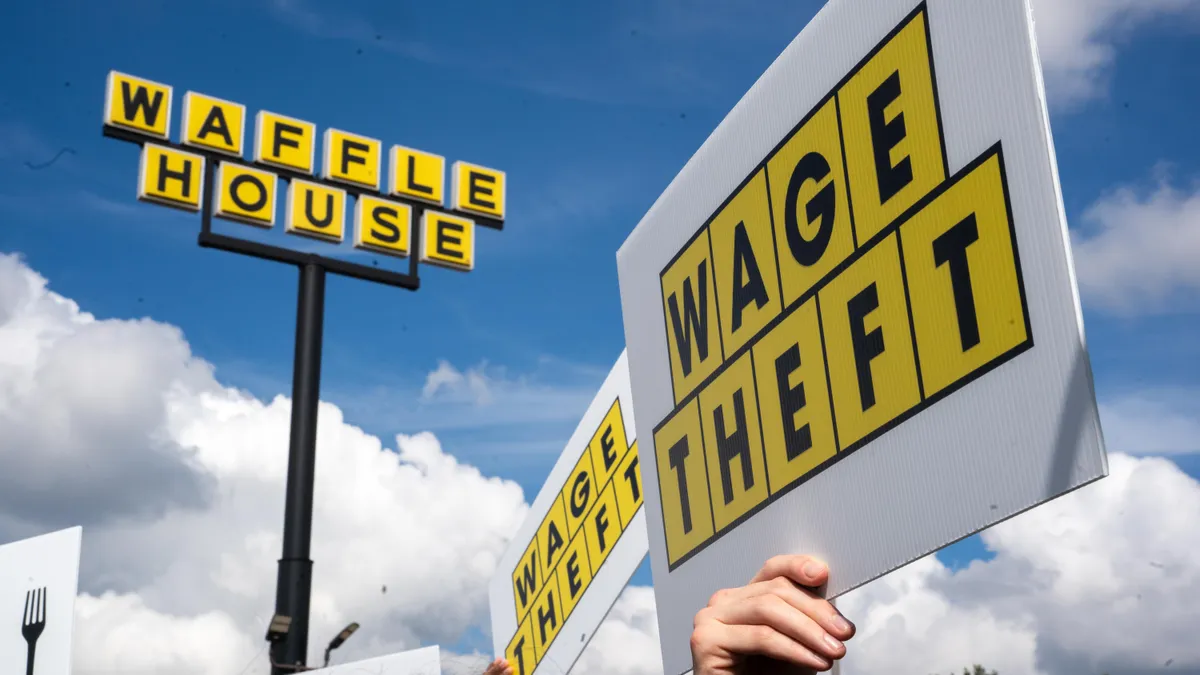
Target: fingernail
(841, 624)
(834, 643)
(813, 568)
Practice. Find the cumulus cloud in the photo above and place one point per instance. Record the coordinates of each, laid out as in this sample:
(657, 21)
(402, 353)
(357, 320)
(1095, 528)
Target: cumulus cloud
(118, 633)
(627, 641)
(1102, 580)
(1153, 422)
(1078, 39)
(179, 482)
(1136, 251)
(77, 397)
(464, 664)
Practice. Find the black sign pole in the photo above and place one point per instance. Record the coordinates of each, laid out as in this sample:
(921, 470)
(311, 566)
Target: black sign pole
(289, 639)
(293, 589)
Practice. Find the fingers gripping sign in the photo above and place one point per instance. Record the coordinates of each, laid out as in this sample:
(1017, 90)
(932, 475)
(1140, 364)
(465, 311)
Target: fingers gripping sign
(776, 623)
(499, 667)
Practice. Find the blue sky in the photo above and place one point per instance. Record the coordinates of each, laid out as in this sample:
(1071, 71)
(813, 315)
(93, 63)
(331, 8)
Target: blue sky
(591, 109)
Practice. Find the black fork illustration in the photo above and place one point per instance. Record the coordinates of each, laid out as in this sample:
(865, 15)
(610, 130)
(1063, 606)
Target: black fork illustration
(34, 622)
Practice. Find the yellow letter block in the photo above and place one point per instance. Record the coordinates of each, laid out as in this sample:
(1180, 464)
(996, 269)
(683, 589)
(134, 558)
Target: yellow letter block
(246, 194)
(789, 366)
(686, 512)
(967, 300)
(448, 241)
(527, 578)
(171, 177)
(892, 132)
(137, 105)
(552, 537)
(382, 226)
(418, 175)
(285, 142)
(213, 124)
(809, 200)
(352, 159)
(737, 477)
(744, 264)
(478, 190)
(315, 210)
(628, 482)
(690, 313)
(608, 444)
(520, 653)
(867, 334)
(574, 574)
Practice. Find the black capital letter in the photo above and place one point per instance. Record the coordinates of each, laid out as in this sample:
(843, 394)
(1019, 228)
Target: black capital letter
(608, 449)
(866, 345)
(547, 617)
(385, 230)
(573, 574)
(733, 446)
(529, 576)
(235, 192)
(348, 159)
(696, 317)
(215, 124)
(412, 177)
(631, 475)
(323, 221)
(791, 401)
(140, 100)
(443, 238)
(475, 189)
(279, 141)
(554, 541)
(745, 290)
(602, 526)
(184, 175)
(885, 136)
(677, 454)
(951, 249)
(580, 494)
(814, 167)
(520, 652)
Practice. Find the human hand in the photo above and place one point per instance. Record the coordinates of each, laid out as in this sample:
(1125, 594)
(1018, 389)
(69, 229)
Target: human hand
(774, 624)
(498, 667)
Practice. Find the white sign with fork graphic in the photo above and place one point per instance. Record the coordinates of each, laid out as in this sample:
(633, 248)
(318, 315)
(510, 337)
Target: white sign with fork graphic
(39, 578)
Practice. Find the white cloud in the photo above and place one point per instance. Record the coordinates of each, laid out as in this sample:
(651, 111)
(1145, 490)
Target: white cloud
(1153, 422)
(1102, 580)
(907, 624)
(179, 482)
(1077, 40)
(627, 641)
(120, 634)
(450, 381)
(464, 664)
(1137, 253)
(502, 411)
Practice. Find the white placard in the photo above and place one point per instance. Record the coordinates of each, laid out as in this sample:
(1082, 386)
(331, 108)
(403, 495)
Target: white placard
(852, 319)
(39, 578)
(423, 661)
(584, 538)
